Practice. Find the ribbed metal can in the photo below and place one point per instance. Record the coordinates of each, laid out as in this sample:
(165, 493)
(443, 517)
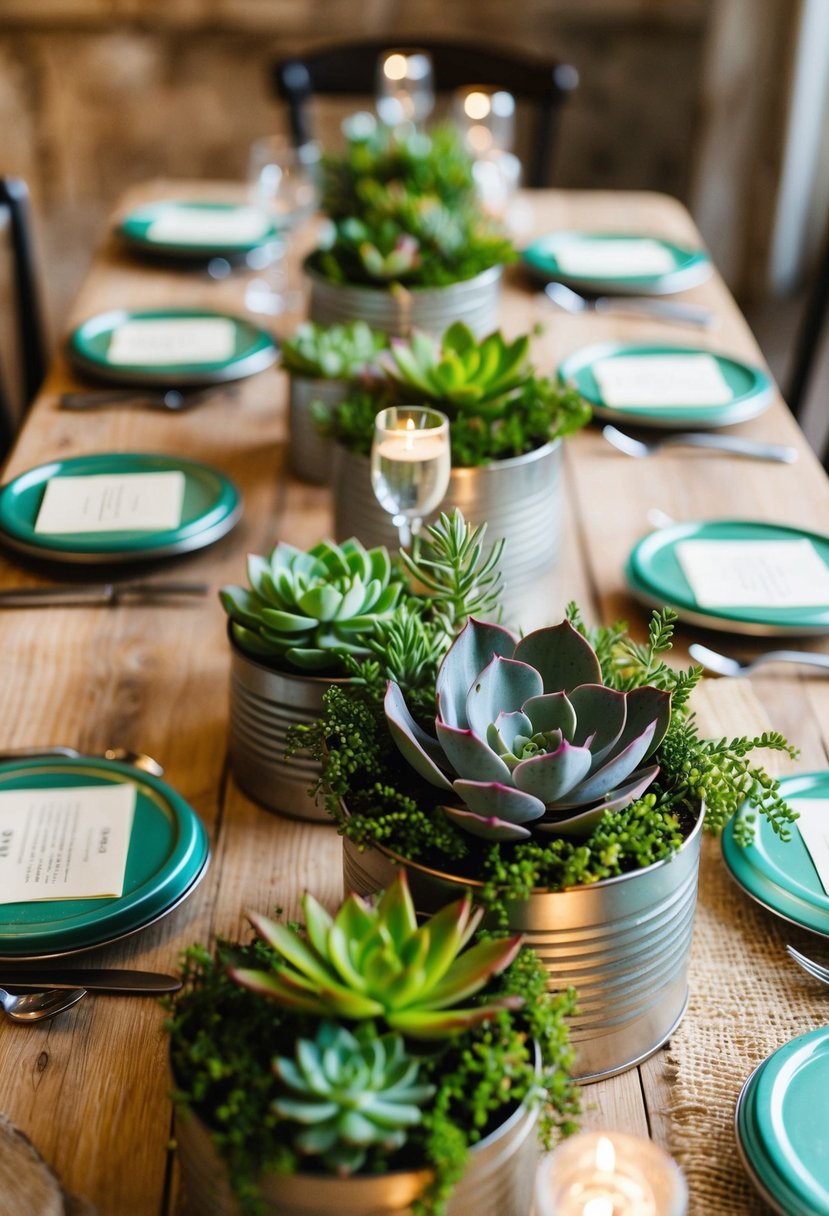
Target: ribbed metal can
(311, 454)
(498, 1180)
(622, 943)
(264, 705)
(398, 310)
(519, 499)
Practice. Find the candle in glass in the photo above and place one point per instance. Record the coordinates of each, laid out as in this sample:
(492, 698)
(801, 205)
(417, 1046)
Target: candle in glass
(410, 464)
(486, 117)
(609, 1174)
(404, 92)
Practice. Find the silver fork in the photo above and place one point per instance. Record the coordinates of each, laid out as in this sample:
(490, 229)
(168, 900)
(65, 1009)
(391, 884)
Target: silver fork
(724, 665)
(700, 439)
(817, 970)
(663, 310)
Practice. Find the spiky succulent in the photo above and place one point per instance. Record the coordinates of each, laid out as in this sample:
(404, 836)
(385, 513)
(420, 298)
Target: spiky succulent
(372, 960)
(459, 370)
(528, 734)
(348, 1092)
(307, 609)
(331, 352)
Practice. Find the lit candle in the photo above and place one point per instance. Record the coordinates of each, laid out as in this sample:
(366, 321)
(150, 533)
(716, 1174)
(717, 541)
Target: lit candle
(405, 93)
(610, 1174)
(410, 464)
(487, 118)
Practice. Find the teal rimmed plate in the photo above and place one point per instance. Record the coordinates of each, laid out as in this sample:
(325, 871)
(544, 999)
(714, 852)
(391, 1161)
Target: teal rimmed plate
(655, 577)
(168, 854)
(784, 1146)
(780, 875)
(752, 388)
(88, 346)
(215, 229)
(683, 267)
(212, 506)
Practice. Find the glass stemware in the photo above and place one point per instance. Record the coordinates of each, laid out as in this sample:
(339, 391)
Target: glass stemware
(486, 118)
(404, 92)
(410, 465)
(282, 180)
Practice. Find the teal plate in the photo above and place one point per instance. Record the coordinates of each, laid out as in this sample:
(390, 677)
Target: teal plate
(752, 388)
(212, 506)
(87, 347)
(780, 875)
(784, 1141)
(168, 854)
(136, 229)
(655, 577)
(690, 266)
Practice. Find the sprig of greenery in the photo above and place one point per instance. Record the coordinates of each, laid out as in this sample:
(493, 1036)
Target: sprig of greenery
(460, 578)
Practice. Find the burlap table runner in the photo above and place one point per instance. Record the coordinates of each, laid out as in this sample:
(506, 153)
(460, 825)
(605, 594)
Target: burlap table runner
(747, 998)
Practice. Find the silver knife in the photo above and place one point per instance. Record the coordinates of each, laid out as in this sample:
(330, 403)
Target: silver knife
(669, 310)
(94, 979)
(95, 593)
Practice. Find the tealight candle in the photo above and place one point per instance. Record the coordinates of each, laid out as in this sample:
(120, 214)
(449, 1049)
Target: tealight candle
(610, 1174)
(404, 91)
(410, 464)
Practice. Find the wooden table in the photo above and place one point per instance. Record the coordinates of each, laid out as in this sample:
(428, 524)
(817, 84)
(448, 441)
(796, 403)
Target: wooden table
(90, 1088)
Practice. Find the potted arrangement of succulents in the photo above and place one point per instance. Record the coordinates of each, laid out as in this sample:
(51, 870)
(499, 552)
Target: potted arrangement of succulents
(367, 1065)
(310, 620)
(562, 780)
(322, 363)
(409, 244)
(506, 426)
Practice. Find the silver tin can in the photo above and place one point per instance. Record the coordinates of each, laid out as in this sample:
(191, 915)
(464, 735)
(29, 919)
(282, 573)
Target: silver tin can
(311, 454)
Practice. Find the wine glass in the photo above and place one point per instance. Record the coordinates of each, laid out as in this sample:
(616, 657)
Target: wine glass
(282, 181)
(404, 92)
(410, 465)
(486, 118)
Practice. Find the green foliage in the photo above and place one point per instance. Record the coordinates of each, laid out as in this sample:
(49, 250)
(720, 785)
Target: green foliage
(450, 566)
(331, 352)
(459, 370)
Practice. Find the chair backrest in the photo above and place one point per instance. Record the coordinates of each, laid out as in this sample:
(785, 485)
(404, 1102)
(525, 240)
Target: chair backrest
(349, 69)
(23, 352)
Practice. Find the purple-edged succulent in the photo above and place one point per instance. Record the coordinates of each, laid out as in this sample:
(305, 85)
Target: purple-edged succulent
(527, 733)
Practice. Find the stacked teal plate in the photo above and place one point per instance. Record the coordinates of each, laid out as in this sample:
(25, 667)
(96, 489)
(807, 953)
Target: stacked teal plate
(211, 506)
(616, 262)
(168, 855)
(780, 875)
(782, 1132)
(751, 388)
(243, 348)
(655, 576)
(196, 230)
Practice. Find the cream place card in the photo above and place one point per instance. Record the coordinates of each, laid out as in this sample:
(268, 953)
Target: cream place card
(172, 340)
(182, 225)
(111, 502)
(754, 573)
(813, 825)
(661, 380)
(65, 843)
(613, 259)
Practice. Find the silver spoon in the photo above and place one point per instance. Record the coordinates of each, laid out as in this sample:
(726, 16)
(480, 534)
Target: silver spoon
(138, 760)
(664, 310)
(724, 665)
(36, 1006)
(174, 399)
(700, 439)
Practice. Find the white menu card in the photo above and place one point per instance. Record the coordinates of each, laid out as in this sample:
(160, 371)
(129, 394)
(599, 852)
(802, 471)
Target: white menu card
(813, 825)
(662, 380)
(150, 341)
(755, 573)
(65, 843)
(112, 502)
(613, 259)
(182, 225)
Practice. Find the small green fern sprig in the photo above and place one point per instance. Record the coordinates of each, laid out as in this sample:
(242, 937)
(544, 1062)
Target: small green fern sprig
(460, 580)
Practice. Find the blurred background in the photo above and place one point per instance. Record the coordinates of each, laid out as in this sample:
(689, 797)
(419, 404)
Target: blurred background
(723, 103)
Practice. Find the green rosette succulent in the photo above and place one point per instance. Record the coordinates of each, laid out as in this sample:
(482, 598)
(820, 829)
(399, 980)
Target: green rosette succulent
(373, 960)
(331, 352)
(527, 733)
(305, 609)
(349, 1092)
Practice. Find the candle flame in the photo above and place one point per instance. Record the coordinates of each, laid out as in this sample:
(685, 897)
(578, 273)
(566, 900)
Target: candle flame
(605, 1156)
(600, 1206)
(395, 67)
(477, 106)
(409, 433)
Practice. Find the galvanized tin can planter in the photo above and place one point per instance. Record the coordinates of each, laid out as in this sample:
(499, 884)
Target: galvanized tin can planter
(264, 705)
(498, 1179)
(622, 943)
(519, 499)
(311, 454)
(398, 310)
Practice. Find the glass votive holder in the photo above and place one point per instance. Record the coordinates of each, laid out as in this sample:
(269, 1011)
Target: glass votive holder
(486, 117)
(609, 1174)
(404, 91)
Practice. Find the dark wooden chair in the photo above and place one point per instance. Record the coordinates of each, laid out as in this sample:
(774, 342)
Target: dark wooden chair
(809, 339)
(24, 307)
(349, 69)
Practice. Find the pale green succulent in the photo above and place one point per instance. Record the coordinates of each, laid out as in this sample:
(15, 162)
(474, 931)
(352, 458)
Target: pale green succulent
(349, 1092)
(331, 352)
(307, 609)
(373, 960)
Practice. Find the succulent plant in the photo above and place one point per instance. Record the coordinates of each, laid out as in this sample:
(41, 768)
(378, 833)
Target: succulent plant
(307, 609)
(527, 733)
(372, 960)
(348, 1092)
(331, 352)
(460, 370)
